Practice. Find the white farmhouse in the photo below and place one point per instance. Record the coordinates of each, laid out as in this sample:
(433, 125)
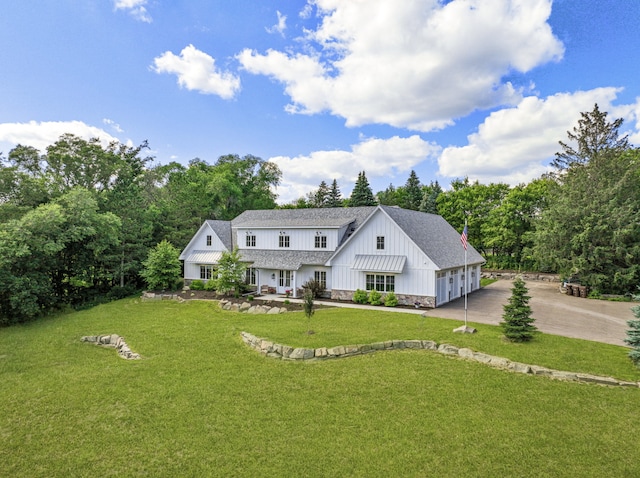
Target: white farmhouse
(417, 256)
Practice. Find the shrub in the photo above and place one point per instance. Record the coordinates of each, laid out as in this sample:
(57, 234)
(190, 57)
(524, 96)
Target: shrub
(162, 268)
(375, 297)
(250, 298)
(197, 285)
(360, 297)
(390, 300)
(286, 302)
(316, 288)
(211, 285)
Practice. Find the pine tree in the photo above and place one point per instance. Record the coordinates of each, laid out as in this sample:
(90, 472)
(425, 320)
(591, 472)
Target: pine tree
(517, 321)
(633, 335)
(430, 197)
(362, 195)
(335, 196)
(321, 196)
(413, 192)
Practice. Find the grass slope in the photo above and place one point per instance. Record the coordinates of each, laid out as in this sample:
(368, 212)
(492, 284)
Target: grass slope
(200, 403)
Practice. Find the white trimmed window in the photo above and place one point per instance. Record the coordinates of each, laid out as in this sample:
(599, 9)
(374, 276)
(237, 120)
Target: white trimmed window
(250, 276)
(380, 243)
(380, 282)
(321, 278)
(285, 278)
(205, 272)
(321, 242)
(251, 241)
(283, 241)
(208, 240)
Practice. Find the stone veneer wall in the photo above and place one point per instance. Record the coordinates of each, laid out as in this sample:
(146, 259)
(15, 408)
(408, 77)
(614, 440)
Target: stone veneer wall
(285, 352)
(403, 299)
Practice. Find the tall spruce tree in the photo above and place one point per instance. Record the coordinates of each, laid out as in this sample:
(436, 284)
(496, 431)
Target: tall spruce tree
(517, 322)
(633, 335)
(429, 200)
(412, 192)
(321, 196)
(335, 196)
(362, 195)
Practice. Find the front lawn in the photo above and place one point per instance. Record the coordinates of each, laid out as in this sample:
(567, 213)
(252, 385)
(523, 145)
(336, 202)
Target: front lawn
(201, 403)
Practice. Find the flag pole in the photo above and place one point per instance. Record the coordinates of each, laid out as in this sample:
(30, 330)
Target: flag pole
(466, 279)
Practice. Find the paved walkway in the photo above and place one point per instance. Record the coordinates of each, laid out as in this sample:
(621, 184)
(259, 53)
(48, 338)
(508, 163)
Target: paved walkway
(555, 313)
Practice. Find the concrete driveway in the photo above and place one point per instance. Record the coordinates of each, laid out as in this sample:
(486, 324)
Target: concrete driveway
(555, 313)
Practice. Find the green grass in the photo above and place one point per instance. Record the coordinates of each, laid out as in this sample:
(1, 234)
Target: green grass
(201, 403)
(486, 281)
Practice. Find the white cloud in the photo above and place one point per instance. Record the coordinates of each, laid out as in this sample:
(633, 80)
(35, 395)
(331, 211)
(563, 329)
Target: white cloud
(378, 157)
(136, 9)
(279, 27)
(514, 145)
(115, 126)
(42, 134)
(411, 63)
(197, 71)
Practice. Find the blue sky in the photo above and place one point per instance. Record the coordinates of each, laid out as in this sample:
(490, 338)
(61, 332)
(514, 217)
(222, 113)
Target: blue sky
(324, 88)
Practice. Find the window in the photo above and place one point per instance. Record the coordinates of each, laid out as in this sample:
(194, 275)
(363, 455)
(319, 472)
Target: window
(205, 272)
(250, 276)
(285, 278)
(251, 241)
(380, 282)
(208, 240)
(321, 278)
(283, 241)
(380, 243)
(321, 242)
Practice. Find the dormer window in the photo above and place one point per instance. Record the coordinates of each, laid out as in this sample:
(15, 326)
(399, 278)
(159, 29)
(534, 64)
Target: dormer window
(321, 242)
(283, 240)
(251, 240)
(380, 243)
(208, 240)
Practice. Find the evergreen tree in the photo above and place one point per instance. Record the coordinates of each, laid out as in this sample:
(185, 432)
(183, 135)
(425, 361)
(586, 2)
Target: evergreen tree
(593, 136)
(335, 196)
(412, 192)
(517, 322)
(231, 272)
(633, 335)
(308, 308)
(429, 200)
(362, 194)
(321, 196)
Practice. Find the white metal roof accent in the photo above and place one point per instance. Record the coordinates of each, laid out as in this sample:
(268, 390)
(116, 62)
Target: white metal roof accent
(204, 257)
(379, 263)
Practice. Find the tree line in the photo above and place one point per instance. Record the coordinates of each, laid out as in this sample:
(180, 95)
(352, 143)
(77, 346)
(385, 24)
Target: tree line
(78, 221)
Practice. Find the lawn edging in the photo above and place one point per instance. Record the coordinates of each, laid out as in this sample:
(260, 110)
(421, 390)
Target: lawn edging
(112, 341)
(286, 352)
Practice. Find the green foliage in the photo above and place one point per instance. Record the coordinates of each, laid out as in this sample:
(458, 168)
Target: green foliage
(360, 297)
(633, 334)
(211, 285)
(429, 202)
(517, 322)
(390, 300)
(375, 298)
(231, 273)
(362, 194)
(412, 192)
(197, 284)
(335, 196)
(250, 298)
(162, 268)
(307, 304)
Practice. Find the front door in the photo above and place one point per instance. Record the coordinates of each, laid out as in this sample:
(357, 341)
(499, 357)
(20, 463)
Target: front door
(284, 282)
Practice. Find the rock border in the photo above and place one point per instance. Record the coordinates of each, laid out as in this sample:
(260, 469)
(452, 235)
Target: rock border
(248, 308)
(112, 341)
(285, 352)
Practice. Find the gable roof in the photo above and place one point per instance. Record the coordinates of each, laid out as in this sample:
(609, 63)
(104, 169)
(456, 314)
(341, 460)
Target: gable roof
(331, 217)
(223, 231)
(434, 236)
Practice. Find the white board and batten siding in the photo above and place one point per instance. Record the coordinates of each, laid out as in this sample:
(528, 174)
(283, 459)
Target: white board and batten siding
(198, 247)
(418, 275)
(299, 239)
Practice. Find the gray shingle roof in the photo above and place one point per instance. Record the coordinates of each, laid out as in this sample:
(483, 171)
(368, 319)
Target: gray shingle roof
(434, 236)
(223, 231)
(286, 260)
(314, 217)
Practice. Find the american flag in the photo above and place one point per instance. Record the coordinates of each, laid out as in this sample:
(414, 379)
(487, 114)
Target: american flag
(463, 237)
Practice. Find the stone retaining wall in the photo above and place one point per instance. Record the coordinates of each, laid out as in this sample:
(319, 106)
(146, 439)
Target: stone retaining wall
(251, 309)
(511, 275)
(285, 352)
(113, 341)
(161, 296)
